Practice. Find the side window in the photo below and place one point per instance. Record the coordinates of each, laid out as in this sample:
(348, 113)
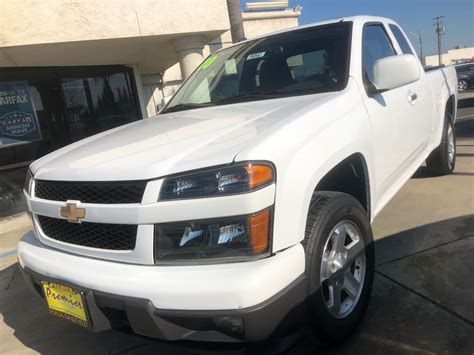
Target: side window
(401, 39)
(375, 45)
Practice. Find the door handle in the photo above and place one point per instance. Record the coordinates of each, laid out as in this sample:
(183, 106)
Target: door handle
(412, 97)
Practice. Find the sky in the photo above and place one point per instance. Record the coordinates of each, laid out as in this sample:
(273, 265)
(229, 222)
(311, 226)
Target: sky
(412, 15)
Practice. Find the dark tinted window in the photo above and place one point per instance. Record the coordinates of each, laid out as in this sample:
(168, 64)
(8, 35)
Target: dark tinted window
(463, 69)
(402, 41)
(98, 103)
(375, 45)
(67, 104)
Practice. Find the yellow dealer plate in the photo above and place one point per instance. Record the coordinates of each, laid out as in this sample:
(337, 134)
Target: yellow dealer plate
(65, 302)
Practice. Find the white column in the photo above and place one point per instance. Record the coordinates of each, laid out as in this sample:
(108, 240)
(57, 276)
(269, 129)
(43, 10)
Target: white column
(141, 92)
(189, 51)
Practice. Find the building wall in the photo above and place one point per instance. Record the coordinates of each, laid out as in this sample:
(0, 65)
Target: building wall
(451, 57)
(26, 22)
(106, 32)
(141, 34)
(262, 22)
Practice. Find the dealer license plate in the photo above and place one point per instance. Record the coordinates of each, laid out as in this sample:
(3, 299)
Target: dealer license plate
(64, 302)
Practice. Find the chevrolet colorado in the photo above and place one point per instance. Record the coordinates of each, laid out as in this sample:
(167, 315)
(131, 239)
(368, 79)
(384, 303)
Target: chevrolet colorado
(246, 202)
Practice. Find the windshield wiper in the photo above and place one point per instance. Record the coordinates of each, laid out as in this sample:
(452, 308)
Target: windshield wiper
(245, 96)
(187, 106)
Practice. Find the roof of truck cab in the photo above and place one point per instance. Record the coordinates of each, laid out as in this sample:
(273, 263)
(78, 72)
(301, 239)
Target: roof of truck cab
(356, 19)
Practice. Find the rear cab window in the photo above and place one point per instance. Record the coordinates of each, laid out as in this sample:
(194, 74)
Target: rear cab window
(401, 39)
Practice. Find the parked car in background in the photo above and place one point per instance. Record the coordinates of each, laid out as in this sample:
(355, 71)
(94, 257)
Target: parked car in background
(465, 76)
(247, 202)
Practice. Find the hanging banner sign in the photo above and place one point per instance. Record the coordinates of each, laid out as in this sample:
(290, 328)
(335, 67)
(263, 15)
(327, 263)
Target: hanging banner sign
(18, 120)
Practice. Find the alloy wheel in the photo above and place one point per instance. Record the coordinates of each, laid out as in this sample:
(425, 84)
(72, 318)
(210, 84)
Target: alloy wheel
(343, 269)
(462, 85)
(451, 146)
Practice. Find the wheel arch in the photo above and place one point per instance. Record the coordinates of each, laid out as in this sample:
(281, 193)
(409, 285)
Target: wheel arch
(351, 176)
(448, 104)
(451, 107)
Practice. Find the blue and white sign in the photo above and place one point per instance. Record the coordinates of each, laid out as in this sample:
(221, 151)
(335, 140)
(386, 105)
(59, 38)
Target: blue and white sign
(18, 120)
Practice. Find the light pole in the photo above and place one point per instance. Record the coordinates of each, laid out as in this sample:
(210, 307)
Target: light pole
(439, 31)
(417, 34)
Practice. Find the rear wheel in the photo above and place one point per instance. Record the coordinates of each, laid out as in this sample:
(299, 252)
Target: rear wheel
(339, 264)
(442, 160)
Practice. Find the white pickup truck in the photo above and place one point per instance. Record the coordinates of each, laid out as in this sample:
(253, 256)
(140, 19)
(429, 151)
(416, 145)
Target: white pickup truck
(246, 203)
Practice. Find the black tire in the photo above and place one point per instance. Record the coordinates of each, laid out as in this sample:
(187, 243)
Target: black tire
(326, 211)
(439, 162)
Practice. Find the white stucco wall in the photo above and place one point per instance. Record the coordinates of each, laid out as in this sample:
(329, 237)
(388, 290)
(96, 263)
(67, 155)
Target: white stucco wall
(140, 33)
(92, 32)
(262, 22)
(24, 22)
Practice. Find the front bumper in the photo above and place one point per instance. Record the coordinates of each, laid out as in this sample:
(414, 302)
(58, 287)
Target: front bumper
(251, 324)
(198, 302)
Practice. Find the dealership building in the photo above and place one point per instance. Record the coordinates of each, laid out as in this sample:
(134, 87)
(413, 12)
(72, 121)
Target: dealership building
(70, 69)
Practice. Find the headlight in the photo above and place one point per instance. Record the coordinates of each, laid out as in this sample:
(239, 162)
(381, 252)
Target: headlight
(28, 181)
(234, 238)
(227, 180)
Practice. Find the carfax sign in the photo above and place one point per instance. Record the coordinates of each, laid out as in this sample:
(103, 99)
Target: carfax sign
(18, 120)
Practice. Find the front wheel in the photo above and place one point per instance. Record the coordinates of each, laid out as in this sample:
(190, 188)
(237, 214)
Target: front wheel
(442, 160)
(339, 264)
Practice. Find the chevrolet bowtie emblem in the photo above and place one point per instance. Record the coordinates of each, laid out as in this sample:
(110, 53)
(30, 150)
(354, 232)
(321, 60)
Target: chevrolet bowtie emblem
(72, 212)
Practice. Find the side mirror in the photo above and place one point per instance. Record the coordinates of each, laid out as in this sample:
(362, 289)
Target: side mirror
(395, 71)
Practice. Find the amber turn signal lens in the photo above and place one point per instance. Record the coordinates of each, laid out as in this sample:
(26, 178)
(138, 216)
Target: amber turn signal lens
(260, 231)
(259, 175)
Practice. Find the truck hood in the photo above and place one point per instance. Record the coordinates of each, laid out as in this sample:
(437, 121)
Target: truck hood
(170, 143)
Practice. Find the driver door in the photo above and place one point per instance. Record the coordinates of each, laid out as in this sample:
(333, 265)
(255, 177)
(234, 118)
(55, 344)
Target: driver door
(392, 113)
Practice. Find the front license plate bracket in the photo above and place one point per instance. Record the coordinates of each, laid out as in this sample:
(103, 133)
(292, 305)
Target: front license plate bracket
(65, 302)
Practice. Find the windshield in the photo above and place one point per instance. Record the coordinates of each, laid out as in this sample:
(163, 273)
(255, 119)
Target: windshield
(306, 61)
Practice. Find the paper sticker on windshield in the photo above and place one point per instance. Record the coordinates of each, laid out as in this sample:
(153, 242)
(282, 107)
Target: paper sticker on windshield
(255, 55)
(230, 66)
(209, 61)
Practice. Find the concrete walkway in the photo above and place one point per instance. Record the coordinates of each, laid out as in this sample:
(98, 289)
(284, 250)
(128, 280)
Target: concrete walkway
(422, 302)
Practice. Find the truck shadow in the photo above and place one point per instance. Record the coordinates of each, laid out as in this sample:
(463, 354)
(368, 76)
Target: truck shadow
(467, 102)
(26, 314)
(465, 128)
